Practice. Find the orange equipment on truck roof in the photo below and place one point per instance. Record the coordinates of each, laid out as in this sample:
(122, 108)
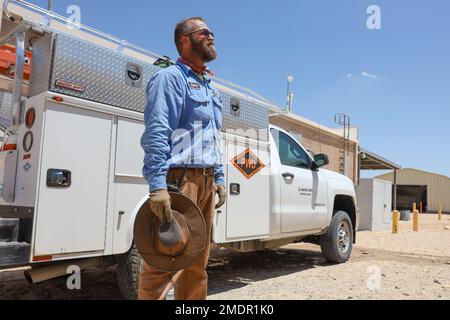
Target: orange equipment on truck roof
(8, 61)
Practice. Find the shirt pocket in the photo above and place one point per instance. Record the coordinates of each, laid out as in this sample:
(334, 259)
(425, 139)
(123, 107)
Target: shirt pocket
(198, 103)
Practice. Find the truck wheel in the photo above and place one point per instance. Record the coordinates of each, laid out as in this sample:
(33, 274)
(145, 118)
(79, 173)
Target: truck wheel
(129, 266)
(337, 243)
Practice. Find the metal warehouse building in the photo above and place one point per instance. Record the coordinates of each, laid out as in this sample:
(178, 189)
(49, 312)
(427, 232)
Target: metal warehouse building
(420, 186)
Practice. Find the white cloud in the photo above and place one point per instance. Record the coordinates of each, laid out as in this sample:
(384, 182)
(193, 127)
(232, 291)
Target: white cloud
(369, 75)
(349, 75)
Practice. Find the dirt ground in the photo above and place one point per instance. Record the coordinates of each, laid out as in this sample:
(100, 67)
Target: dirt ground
(408, 265)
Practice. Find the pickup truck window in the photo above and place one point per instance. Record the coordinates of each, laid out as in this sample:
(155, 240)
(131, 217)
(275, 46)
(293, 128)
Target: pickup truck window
(291, 154)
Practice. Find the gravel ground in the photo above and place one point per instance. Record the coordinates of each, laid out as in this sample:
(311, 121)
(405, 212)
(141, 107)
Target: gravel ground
(408, 265)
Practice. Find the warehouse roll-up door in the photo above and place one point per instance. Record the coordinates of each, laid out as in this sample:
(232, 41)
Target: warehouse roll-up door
(408, 195)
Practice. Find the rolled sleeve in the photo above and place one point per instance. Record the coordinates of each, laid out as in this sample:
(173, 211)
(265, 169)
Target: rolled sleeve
(161, 116)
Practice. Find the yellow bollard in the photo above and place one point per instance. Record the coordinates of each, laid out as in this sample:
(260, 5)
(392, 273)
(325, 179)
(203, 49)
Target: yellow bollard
(416, 221)
(395, 220)
(414, 206)
(440, 212)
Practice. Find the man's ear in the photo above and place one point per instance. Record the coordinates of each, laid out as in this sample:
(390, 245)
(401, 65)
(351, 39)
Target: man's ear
(185, 42)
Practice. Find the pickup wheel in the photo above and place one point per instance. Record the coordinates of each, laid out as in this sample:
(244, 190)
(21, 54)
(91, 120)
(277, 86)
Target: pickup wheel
(337, 243)
(129, 267)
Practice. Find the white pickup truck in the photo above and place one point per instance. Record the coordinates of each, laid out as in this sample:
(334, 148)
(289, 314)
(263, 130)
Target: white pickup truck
(290, 198)
(70, 164)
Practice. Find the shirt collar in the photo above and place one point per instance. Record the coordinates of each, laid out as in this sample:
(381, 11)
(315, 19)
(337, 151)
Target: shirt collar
(188, 68)
(191, 67)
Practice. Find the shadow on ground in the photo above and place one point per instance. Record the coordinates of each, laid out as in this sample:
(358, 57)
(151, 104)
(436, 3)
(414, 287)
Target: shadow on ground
(237, 270)
(96, 284)
(226, 272)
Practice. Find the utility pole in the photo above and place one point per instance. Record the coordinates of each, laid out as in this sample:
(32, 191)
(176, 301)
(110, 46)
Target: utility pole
(290, 95)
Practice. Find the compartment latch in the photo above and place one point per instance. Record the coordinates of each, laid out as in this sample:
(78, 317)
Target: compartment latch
(59, 178)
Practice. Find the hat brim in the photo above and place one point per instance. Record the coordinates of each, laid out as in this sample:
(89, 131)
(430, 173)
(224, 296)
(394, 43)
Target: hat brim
(146, 222)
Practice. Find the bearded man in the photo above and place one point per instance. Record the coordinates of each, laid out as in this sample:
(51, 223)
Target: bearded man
(182, 145)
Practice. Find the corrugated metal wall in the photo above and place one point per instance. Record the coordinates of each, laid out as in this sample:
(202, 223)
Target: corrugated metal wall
(438, 186)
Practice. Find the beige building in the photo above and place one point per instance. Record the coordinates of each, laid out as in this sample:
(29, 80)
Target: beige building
(420, 186)
(320, 139)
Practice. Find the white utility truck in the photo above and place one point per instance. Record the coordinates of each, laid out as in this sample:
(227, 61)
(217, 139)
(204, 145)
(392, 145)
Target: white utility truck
(71, 163)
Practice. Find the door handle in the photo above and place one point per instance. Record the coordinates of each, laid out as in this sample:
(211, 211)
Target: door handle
(287, 175)
(59, 178)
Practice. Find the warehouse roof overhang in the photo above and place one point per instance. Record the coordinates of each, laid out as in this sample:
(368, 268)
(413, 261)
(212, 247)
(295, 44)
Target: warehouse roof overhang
(372, 161)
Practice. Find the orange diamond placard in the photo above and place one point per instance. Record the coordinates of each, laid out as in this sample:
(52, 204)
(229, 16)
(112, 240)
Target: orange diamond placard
(248, 163)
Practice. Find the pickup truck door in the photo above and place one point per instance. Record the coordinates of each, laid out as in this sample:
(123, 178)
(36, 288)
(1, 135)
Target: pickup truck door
(300, 187)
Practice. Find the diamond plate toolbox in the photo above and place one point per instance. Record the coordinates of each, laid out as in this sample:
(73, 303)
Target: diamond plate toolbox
(5, 109)
(88, 71)
(91, 72)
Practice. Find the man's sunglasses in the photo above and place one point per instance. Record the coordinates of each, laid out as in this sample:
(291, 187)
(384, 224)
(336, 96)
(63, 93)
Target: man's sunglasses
(204, 32)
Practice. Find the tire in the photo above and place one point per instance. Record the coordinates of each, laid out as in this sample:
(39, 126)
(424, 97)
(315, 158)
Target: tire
(337, 243)
(129, 267)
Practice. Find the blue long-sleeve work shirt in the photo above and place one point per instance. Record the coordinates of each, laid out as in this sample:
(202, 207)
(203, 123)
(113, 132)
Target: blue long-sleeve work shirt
(183, 121)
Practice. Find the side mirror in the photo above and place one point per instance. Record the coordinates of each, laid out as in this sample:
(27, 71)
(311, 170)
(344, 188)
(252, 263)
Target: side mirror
(320, 160)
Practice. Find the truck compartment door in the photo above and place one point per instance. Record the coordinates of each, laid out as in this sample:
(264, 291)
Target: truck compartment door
(73, 184)
(247, 207)
(130, 186)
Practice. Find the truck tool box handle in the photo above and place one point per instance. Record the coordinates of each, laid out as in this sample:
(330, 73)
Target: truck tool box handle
(58, 178)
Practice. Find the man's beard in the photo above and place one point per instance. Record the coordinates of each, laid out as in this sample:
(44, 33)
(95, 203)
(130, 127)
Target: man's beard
(203, 51)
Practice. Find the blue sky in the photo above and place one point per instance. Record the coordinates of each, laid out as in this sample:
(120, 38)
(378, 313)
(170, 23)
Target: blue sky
(399, 90)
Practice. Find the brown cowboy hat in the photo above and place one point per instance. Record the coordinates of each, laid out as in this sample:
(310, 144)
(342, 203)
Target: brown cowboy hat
(171, 246)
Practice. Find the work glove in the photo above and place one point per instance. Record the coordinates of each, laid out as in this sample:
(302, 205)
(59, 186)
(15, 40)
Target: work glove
(160, 203)
(220, 190)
